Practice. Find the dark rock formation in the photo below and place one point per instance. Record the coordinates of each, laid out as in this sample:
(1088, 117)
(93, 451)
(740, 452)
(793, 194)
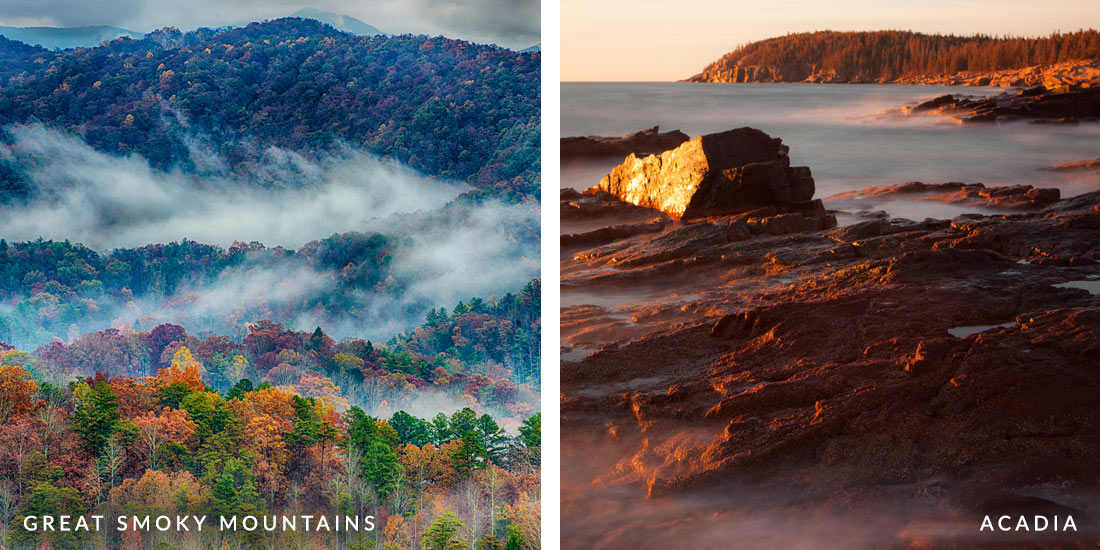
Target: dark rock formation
(1077, 166)
(646, 142)
(1015, 197)
(712, 175)
(611, 233)
(1059, 103)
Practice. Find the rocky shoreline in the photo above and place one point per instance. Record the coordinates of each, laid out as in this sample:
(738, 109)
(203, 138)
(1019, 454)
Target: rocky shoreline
(1064, 104)
(928, 372)
(1082, 72)
(1070, 73)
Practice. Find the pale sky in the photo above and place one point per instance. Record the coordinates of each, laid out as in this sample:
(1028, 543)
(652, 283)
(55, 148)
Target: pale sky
(510, 23)
(661, 40)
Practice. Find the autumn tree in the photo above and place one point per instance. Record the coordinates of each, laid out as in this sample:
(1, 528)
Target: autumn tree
(17, 392)
(168, 426)
(264, 437)
(185, 369)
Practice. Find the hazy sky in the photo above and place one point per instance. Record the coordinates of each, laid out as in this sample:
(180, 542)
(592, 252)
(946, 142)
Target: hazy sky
(655, 40)
(510, 23)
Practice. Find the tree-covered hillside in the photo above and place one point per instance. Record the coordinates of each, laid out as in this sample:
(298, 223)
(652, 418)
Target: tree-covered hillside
(59, 291)
(883, 56)
(445, 107)
(18, 61)
(170, 444)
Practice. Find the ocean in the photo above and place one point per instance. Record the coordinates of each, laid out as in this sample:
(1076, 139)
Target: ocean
(851, 136)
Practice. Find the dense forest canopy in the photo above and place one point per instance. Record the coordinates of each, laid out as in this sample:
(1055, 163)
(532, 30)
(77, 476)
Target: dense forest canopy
(17, 60)
(170, 444)
(447, 108)
(889, 55)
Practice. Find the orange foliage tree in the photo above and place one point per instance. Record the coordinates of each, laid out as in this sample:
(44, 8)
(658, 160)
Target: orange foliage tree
(17, 390)
(185, 369)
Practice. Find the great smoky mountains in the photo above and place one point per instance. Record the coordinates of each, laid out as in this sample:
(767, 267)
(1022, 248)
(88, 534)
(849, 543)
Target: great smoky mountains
(271, 270)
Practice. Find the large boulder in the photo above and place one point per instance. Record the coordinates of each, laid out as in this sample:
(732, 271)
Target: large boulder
(712, 175)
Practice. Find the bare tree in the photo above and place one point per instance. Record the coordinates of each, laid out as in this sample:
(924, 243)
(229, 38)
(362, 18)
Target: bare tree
(152, 439)
(114, 458)
(51, 423)
(492, 487)
(93, 480)
(7, 501)
(472, 503)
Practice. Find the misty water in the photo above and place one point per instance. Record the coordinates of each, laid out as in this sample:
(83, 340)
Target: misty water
(846, 134)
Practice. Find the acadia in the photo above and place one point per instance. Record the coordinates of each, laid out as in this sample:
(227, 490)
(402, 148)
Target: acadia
(1023, 523)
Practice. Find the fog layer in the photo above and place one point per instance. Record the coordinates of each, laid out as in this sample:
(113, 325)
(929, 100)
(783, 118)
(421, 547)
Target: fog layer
(445, 250)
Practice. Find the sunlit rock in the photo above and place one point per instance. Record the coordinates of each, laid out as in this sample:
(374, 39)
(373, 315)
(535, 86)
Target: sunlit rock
(712, 175)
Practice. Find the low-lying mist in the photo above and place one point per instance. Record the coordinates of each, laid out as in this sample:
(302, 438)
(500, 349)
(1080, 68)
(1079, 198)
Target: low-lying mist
(105, 201)
(444, 250)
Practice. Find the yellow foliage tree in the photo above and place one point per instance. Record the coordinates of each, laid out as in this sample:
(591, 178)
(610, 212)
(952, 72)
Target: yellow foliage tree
(184, 368)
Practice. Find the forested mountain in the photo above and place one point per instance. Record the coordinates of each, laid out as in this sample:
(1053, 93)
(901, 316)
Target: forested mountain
(445, 107)
(250, 380)
(18, 60)
(884, 56)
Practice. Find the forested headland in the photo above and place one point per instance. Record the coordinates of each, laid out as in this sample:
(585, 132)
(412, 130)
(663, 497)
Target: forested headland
(886, 56)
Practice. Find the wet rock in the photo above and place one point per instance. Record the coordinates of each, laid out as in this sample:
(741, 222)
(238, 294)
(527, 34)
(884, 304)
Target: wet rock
(1063, 103)
(1076, 166)
(611, 233)
(817, 364)
(645, 142)
(942, 102)
(712, 175)
(577, 206)
(1014, 197)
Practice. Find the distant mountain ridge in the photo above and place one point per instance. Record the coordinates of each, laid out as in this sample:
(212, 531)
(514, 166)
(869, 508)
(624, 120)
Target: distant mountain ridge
(890, 56)
(338, 21)
(63, 38)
